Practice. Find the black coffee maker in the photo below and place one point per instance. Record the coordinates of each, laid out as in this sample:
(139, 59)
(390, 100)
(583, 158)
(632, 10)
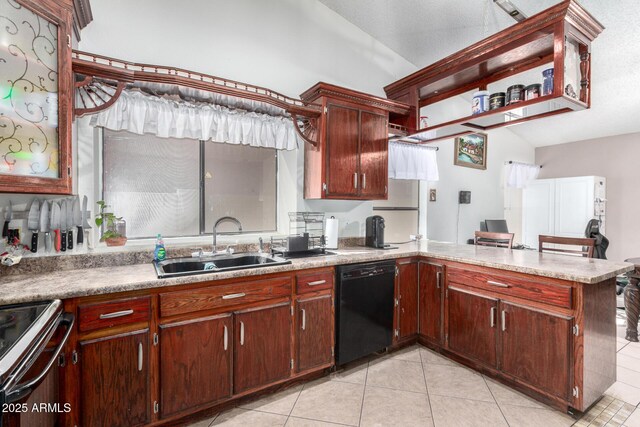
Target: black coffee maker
(375, 232)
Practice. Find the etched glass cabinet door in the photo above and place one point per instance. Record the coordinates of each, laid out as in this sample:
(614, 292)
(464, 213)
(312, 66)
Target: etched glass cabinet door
(35, 96)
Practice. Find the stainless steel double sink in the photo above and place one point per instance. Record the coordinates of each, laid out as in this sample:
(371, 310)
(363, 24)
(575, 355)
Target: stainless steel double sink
(187, 266)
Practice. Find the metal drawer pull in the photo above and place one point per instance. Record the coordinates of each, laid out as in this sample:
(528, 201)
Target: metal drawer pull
(304, 318)
(438, 279)
(116, 314)
(504, 320)
(226, 338)
(498, 284)
(232, 296)
(355, 180)
(364, 181)
(493, 317)
(241, 333)
(140, 356)
(316, 283)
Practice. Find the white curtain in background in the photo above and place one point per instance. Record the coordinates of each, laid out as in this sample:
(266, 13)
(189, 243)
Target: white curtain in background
(140, 113)
(517, 175)
(412, 161)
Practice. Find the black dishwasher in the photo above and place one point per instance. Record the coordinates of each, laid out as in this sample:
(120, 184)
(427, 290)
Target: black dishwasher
(364, 309)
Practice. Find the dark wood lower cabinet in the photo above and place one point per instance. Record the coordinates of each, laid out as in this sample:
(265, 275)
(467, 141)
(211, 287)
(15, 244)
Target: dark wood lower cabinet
(114, 379)
(314, 332)
(195, 363)
(431, 292)
(262, 346)
(536, 348)
(472, 325)
(407, 299)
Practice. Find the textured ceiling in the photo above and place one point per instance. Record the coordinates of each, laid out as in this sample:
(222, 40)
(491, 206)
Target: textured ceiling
(424, 31)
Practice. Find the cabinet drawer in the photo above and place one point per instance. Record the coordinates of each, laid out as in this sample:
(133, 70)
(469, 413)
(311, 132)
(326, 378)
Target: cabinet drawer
(533, 289)
(113, 313)
(314, 281)
(221, 296)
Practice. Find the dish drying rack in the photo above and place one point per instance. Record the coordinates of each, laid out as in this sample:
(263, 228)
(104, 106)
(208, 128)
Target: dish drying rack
(306, 234)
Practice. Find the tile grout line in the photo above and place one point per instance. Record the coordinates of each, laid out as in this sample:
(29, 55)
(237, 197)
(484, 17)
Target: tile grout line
(494, 399)
(294, 403)
(424, 376)
(364, 392)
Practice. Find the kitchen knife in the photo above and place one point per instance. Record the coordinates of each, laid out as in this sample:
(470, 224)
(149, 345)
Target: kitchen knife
(44, 225)
(63, 226)
(70, 224)
(77, 218)
(55, 225)
(7, 220)
(32, 224)
(85, 224)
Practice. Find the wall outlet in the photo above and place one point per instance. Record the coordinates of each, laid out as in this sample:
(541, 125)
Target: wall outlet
(432, 195)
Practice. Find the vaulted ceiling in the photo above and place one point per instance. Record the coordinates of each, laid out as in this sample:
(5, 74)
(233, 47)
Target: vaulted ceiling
(424, 31)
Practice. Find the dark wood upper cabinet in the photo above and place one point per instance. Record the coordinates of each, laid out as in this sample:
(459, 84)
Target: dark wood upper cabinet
(407, 298)
(431, 292)
(114, 379)
(262, 346)
(314, 332)
(36, 97)
(472, 325)
(536, 348)
(195, 363)
(350, 159)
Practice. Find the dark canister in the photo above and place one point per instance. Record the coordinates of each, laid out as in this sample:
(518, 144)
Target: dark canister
(496, 100)
(515, 94)
(532, 91)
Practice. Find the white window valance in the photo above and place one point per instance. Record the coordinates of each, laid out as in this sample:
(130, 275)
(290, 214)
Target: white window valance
(140, 113)
(411, 161)
(517, 175)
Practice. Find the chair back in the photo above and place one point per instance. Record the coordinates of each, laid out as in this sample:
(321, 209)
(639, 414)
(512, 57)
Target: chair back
(498, 240)
(583, 246)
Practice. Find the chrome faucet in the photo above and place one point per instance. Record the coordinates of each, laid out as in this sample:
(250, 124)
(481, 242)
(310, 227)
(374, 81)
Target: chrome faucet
(220, 221)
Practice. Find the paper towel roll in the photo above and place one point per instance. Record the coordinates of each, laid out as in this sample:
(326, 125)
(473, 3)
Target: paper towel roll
(331, 233)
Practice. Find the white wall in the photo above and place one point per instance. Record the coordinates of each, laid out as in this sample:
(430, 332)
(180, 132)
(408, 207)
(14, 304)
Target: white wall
(486, 186)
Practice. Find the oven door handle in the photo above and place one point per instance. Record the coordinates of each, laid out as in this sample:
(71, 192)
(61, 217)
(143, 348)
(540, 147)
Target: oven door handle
(22, 390)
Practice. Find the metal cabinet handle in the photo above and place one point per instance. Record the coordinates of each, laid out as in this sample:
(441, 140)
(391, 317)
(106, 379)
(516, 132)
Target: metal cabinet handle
(355, 180)
(504, 320)
(438, 279)
(226, 338)
(498, 284)
(140, 356)
(241, 333)
(232, 296)
(316, 283)
(304, 319)
(493, 317)
(364, 181)
(116, 314)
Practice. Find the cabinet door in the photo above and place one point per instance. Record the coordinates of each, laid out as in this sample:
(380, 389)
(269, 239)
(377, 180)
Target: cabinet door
(407, 299)
(114, 380)
(262, 352)
(314, 332)
(343, 135)
(195, 363)
(431, 285)
(374, 155)
(536, 347)
(472, 325)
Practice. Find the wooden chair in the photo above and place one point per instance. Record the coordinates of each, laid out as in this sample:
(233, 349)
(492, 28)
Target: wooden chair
(497, 240)
(585, 245)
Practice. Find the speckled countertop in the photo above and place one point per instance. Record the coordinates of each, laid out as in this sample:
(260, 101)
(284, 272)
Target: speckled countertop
(104, 280)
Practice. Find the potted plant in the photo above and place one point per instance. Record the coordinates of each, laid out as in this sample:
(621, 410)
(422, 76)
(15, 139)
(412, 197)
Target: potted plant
(114, 227)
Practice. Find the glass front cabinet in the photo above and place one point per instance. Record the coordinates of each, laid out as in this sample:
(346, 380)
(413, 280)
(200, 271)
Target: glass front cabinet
(36, 91)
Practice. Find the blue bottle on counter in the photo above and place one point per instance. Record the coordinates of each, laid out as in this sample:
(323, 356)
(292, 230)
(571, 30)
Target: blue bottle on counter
(160, 253)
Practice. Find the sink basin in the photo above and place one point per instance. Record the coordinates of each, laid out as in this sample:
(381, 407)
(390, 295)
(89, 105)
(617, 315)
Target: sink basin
(174, 267)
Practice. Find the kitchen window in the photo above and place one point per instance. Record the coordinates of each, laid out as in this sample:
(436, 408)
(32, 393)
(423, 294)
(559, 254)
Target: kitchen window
(155, 184)
(400, 211)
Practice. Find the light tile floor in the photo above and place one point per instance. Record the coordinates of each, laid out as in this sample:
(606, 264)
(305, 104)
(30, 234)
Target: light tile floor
(418, 387)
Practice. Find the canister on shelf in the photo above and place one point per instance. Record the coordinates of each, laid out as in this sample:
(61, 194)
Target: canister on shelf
(496, 100)
(532, 91)
(480, 102)
(547, 83)
(515, 94)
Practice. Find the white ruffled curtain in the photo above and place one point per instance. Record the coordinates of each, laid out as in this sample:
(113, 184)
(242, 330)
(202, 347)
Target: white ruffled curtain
(412, 161)
(140, 113)
(517, 175)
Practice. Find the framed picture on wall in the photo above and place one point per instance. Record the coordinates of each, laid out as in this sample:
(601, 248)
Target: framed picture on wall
(471, 151)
